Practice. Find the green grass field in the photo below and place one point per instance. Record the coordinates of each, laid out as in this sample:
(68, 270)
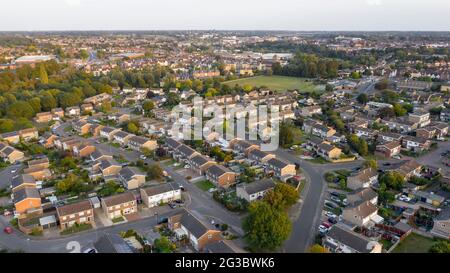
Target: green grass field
(278, 83)
(205, 185)
(414, 244)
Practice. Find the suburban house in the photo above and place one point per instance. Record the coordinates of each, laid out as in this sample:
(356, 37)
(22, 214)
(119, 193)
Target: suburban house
(108, 132)
(25, 134)
(415, 144)
(421, 117)
(40, 162)
(81, 127)
(388, 137)
(139, 143)
(260, 156)
(322, 131)
(362, 195)
(328, 151)
(11, 137)
(255, 190)
(39, 173)
(220, 176)
(131, 178)
(95, 129)
(83, 150)
(342, 240)
(119, 205)
(87, 108)
(200, 163)
(49, 141)
(408, 168)
(388, 149)
(59, 112)
(73, 111)
(362, 179)
(43, 117)
(112, 243)
(361, 213)
(242, 146)
(310, 110)
(122, 137)
(10, 154)
(22, 181)
(184, 152)
(441, 225)
(109, 167)
(160, 194)
(172, 144)
(198, 232)
(97, 155)
(29, 134)
(281, 168)
(80, 213)
(26, 199)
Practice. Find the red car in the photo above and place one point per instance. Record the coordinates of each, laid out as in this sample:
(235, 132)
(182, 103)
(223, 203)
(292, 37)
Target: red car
(8, 230)
(326, 224)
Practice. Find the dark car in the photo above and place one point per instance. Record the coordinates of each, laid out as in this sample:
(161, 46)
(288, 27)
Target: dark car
(172, 205)
(332, 220)
(335, 194)
(163, 220)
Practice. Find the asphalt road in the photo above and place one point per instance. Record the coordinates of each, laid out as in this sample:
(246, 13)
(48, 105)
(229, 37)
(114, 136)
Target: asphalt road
(7, 174)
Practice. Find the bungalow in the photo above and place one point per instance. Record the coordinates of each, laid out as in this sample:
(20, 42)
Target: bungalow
(253, 191)
(43, 117)
(200, 163)
(73, 111)
(198, 232)
(122, 137)
(362, 179)
(131, 178)
(160, 194)
(388, 149)
(26, 199)
(260, 156)
(220, 176)
(139, 143)
(119, 205)
(415, 144)
(360, 213)
(108, 132)
(76, 213)
(342, 240)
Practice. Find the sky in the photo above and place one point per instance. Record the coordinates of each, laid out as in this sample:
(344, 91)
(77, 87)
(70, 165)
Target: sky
(301, 15)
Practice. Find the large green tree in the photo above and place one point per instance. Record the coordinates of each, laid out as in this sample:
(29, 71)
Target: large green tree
(20, 109)
(266, 227)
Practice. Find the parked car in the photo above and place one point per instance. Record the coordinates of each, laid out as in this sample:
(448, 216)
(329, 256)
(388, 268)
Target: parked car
(331, 205)
(326, 224)
(143, 157)
(163, 220)
(172, 205)
(330, 214)
(323, 229)
(187, 166)
(335, 194)
(335, 199)
(8, 230)
(404, 198)
(7, 213)
(332, 220)
(90, 250)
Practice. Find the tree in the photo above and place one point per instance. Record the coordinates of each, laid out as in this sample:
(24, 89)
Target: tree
(132, 128)
(67, 99)
(164, 245)
(84, 54)
(363, 148)
(148, 105)
(266, 227)
(155, 172)
(43, 74)
(316, 248)
(35, 103)
(393, 180)
(48, 102)
(6, 125)
(20, 109)
(386, 112)
(440, 247)
(382, 85)
(371, 163)
(282, 196)
(399, 110)
(362, 98)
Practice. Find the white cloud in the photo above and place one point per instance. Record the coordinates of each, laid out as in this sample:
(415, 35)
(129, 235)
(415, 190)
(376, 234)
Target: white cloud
(374, 2)
(73, 3)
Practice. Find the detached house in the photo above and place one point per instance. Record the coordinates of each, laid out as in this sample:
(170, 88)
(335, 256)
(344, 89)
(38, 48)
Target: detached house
(361, 213)
(362, 179)
(220, 176)
(119, 205)
(79, 213)
(198, 232)
(255, 190)
(342, 240)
